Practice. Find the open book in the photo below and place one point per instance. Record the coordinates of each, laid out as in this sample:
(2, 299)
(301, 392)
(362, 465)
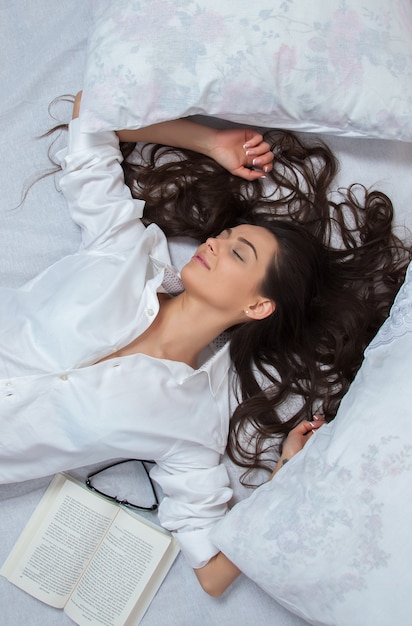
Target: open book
(86, 555)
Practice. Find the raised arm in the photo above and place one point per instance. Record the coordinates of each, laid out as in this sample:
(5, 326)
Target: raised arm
(238, 150)
(242, 151)
(93, 184)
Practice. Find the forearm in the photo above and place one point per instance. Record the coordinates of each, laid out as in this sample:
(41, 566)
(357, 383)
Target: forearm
(182, 133)
(217, 575)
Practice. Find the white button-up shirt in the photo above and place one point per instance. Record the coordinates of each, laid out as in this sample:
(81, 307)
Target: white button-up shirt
(59, 409)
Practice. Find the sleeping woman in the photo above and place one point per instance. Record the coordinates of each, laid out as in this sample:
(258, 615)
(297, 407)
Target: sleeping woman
(109, 352)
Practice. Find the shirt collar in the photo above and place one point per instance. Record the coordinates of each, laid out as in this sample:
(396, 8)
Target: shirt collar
(217, 368)
(171, 281)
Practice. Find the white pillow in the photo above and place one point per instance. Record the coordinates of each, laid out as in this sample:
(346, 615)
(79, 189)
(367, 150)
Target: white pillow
(330, 536)
(335, 67)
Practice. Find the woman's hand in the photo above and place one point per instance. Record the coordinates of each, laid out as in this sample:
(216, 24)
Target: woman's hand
(296, 440)
(239, 150)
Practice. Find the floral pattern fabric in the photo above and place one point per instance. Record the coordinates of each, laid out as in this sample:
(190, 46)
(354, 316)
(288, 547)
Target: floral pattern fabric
(330, 536)
(341, 67)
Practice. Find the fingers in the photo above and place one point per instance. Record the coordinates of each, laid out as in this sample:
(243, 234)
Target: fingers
(318, 420)
(259, 154)
(316, 423)
(249, 174)
(252, 139)
(299, 436)
(308, 427)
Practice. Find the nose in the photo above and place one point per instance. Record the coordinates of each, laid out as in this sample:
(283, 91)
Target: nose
(212, 245)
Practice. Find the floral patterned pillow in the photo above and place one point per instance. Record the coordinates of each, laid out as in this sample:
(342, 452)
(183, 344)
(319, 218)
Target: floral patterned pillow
(335, 67)
(330, 536)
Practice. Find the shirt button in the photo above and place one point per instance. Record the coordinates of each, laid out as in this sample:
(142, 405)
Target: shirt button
(150, 312)
(64, 377)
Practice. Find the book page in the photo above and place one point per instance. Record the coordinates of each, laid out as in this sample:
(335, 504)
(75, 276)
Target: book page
(119, 572)
(58, 541)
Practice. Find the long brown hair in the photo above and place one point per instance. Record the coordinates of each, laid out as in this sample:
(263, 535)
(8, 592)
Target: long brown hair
(338, 270)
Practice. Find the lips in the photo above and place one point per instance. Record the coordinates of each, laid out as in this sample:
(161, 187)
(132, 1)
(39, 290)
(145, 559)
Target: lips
(199, 258)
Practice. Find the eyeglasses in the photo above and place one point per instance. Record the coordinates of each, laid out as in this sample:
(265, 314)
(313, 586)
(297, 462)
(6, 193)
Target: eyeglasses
(126, 482)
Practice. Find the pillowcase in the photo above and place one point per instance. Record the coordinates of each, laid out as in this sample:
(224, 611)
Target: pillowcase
(330, 536)
(336, 67)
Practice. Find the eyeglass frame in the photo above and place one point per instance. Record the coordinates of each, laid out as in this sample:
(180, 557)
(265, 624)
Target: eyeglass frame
(125, 503)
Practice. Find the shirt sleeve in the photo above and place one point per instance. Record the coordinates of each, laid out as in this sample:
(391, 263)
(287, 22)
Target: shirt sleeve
(97, 197)
(196, 487)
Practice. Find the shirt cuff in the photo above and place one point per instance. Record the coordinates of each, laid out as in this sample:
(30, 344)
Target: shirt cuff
(196, 546)
(84, 141)
(79, 141)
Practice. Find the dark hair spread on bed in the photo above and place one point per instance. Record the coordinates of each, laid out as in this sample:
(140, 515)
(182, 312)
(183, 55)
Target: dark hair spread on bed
(334, 280)
(339, 268)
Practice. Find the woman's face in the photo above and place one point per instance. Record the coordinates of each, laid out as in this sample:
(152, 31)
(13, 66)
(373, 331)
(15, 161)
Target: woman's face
(227, 271)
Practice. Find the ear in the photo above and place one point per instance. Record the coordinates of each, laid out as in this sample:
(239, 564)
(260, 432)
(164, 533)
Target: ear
(261, 309)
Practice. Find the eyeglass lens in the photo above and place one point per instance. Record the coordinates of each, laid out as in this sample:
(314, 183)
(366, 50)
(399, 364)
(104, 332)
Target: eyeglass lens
(125, 480)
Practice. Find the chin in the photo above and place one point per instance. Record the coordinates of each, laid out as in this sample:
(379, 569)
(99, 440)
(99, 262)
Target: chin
(185, 273)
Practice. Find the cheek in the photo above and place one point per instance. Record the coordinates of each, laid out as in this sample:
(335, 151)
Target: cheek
(236, 286)
(196, 278)
(227, 286)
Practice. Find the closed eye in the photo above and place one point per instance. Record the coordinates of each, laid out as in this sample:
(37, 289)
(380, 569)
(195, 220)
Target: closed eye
(238, 255)
(228, 232)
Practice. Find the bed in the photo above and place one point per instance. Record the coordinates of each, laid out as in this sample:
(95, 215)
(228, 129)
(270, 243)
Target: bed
(45, 54)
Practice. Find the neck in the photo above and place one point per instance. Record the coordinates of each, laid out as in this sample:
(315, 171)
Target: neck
(185, 327)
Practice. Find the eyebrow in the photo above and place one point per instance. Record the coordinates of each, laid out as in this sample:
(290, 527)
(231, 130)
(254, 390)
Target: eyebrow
(243, 240)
